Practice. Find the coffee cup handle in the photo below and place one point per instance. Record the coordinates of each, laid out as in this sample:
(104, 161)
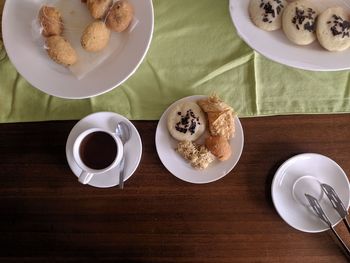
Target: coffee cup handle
(85, 177)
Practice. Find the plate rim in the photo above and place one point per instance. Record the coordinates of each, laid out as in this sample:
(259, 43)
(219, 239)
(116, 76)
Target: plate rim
(31, 80)
(278, 172)
(162, 118)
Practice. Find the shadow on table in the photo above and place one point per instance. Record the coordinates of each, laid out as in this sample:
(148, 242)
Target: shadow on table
(270, 176)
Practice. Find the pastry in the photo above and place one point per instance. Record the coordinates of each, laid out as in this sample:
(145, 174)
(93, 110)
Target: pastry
(98, 8)
(51, 21)
(120, 16)
(213, 104)
(186, 121)
(198, 155)
(267, 14)
(61, 51)
(299, 22)
(222, 123)
(220, 117)
(219, 147)
(333, 29)
(95, 37)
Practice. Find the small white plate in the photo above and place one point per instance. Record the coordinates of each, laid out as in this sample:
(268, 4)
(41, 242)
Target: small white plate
(132, 149)
(306, 166)
(36, 67)
(179, 167)
(275, 45)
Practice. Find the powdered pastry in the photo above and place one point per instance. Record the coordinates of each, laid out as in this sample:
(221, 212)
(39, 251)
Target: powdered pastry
(267, 14)
(333, 29)
(299, 22)
(186, 121)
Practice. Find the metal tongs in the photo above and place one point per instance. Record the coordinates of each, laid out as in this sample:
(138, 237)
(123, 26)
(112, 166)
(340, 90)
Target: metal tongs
(337, 205)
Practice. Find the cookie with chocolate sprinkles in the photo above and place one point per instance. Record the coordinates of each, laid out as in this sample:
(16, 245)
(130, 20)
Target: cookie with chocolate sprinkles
(186, 121)
(267, 14)
(299, 22)
(333, 29)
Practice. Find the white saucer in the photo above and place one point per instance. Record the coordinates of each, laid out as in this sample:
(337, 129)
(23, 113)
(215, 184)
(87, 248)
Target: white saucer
(180, 167)
(308, 165)
(132, 149)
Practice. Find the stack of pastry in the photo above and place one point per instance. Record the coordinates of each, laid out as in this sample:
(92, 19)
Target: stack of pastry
(109, 16)
(188, 121)
(58, 48)
(221, 126)
(302, 22)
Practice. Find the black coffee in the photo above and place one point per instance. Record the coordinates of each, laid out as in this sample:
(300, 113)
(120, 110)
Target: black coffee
(98, 150)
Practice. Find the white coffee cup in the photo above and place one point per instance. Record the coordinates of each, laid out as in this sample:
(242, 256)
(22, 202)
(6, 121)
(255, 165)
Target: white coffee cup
(88, 172)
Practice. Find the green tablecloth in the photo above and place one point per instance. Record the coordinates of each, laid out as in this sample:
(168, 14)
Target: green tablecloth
(195, 50)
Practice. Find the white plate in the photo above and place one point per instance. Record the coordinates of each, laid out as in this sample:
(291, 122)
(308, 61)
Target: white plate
(179, 167)
(322, 169)
(133, 148)
(34, 65)
(276, 46)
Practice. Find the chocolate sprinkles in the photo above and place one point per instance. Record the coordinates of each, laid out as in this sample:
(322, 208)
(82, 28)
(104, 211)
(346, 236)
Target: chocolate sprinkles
(305, 19)
(188, 122)
(339, 26)
(270, 13)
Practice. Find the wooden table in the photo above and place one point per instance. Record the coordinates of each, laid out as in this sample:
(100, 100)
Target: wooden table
(47, 216)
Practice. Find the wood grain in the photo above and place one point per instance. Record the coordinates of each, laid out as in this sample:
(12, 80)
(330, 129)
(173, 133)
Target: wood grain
(47, 216)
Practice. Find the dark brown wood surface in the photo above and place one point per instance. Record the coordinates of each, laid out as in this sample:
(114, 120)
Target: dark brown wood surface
(47, 216)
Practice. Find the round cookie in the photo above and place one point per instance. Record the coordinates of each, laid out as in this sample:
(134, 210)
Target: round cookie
(186, 121)
(267, 14)
(299, 22)
(333, 29)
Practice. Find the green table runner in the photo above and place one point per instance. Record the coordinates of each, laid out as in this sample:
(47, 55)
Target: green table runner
(195, 50)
